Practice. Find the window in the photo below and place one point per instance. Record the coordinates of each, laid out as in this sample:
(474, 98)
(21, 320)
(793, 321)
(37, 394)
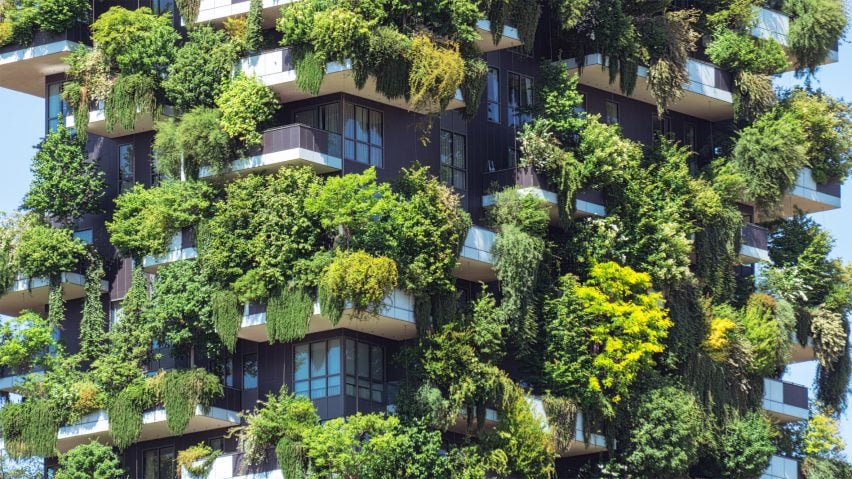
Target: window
(453, 165)
(661, 127)
(162, 6)
(55, 106)
(689, 135)
(228, 372)
(365, 370)
(363, 135)
(612, 114)
(216, 443)
(114, 313)
(84, 235)
(126, 167)
(250, 371)
(493, 87)
(159, 463)
(520, 99)
(326, 118)
(316, 369)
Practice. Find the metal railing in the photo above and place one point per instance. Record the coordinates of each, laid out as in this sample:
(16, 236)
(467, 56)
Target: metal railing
(755, 236)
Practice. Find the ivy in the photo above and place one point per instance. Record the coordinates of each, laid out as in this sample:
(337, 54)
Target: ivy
(768, 324)
(288, 314)
(227, 316)
(815, 28)
(189, 10)
(183, 391)
(125, 413)
(30, 428)
(55, 305)
(254, 26)
(93, 322)
(130, 96)
(436, 73)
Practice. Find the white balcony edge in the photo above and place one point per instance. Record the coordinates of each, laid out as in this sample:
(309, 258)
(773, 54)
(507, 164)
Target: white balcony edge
(478, 244)
(98, 421)
(25, 284)
(773, 401)
(169, 257)
(551, 199)
(781, 467)
(754, 253)
(508, 31)
(30, 53)
(278, 157)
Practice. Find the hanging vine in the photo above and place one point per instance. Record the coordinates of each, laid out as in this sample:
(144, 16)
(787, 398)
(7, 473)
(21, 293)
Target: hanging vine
(92, 334)
(125, 413)
(189, 10)
(55, 304)
(227, 317)
(130, 96)
(288, 314)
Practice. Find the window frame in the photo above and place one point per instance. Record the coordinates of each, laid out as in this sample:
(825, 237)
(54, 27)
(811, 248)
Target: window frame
(327, 378)
(243, 363)
(608, 117)
(451, 166)
(354, 382)
(123, 183)
(63, 107)
(352, 138)
(515, 117)
(159, 454)
(493, 101)
(690, 140)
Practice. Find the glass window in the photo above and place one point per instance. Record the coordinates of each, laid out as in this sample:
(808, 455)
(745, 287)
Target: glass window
(520, 99)
(159, 463)
(306, 117)
(163, 6)
(453, 163)
(114, 314)
(661, 127)
(689, 135)
(493, 88)
(229, 372)
(55, 106)
(365, 370)
(316, 370)
(612, 114)
(363, 135)
(217, 443)
(250, 371)
(84, 235)
(126, 167)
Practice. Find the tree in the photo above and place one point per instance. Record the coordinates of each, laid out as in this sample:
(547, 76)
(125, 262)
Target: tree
(66, 185)
(136, 41)
(24, 340)
(90, 461)
(201, 68)
(747, 446)
(246, 105)
(602, 333)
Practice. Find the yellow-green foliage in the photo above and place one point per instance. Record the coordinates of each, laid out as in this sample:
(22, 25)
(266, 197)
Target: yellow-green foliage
(522, 435)
(822, 435)
(717, 344)
(437, 71)
(358, 278)
(769, 338)
(603, 333)
(196, 459)
(246, 104)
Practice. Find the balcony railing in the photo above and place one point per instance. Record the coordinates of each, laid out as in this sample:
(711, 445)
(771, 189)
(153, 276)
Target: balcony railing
(781, 467)
(785, 402)
(587, 202)
(754, 244)
(24, 66)
(182, 247)
(295, 144)
(810, 196)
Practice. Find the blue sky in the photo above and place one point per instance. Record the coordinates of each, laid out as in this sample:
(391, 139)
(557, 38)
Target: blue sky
(22, 126)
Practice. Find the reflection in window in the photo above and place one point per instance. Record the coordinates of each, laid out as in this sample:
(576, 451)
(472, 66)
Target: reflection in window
(613, 116)
(250, 371)
(55, 106)
(453, 164)
(493, 87)
(316, 369)
(163, 6)
(689, 135)
(362, 132)
(365, 370)
(520, 99)
(84, 235)
(126, 167)
(159, 463)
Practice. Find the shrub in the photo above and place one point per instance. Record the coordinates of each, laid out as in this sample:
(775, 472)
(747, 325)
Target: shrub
(197, 459)
(768, 336)
(436, 73)
(747, 446)
(246, 105)
(742, 52)
(59, 15)
(90, 461)
(145, 219)
(359, 279)
(826, 124)
(23, 340)
(46, 252)
(196, 141)
(816, 26)
(200, 69)
(137, 41)
(60, 157)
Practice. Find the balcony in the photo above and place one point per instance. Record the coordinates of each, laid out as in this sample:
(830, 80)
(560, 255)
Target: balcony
(776, 25)
(275, 69)
(98, 124)
(782, 468)
(182, 247)
(27, 293)
(10, 379)
(578, 445)
(528, 181)
(23, 67)
(707, 95)
(785, 402)
(288, 145)
(811, 197)
(475, 261)
(394, 321)
(95, 426)
(800, 353)
(509, 39)
(754, 244)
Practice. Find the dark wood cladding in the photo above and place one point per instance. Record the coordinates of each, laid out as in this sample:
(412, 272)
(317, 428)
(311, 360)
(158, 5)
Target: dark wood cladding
(754, 235)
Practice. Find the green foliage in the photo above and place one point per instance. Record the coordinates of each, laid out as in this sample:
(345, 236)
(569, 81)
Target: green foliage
(55, 305)
(146, 219)
(829, 336)
(200, 68)
(562, 418)
(671, 40)
(197, 459)
(517, 258)
(474, 85)
(11, 227)
(226, 314)
(666, 434)
(754, 95)
(93, 322)
(528, 446)
(125, 413)
(528, 213)
(436, 73)
(131, 94)
(46, 252)
(816, 27)
(766, 325)
(180, 311)
(822, 435)
(246, 105)
(742, 52)
(262, 234)
(288, 314)
(65, 184)
(254, 26)
(747, 446)
(196, 141)
(136, 41)
(769, 155)
(357, 280)
(30, 428)
(281, 416)
(183, 391)
(822, 468)
(189, 11)
(24, 341)
(601, 334)
(90, 461)
(90, 79)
